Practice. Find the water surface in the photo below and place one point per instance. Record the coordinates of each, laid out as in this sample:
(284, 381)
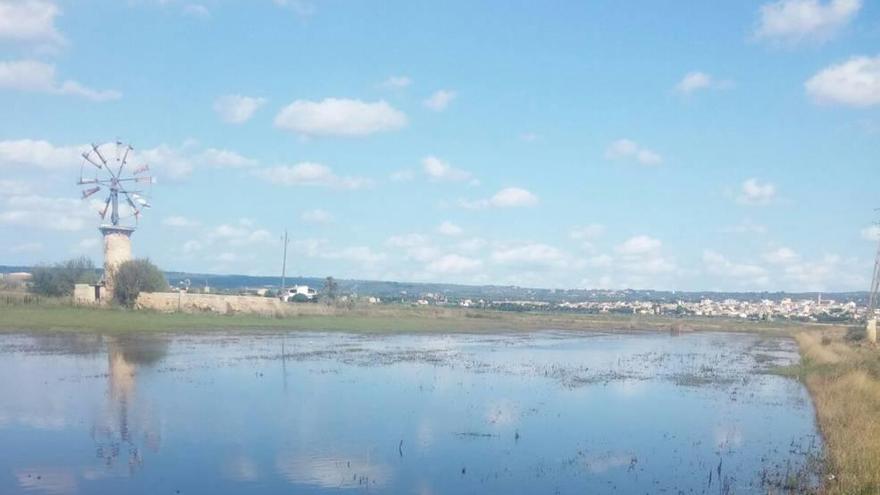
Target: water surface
(545, 412)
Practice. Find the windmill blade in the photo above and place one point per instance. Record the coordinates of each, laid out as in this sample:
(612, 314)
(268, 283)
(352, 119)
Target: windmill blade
(131, 203)
(89, 159)
(124, 158)
(103, 212)
(144, 180)
(89, 192)
(83, 182)
(98, 152)
(141, 169)
(122, 163)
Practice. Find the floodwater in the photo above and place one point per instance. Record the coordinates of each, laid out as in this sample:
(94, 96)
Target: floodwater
(545, 412)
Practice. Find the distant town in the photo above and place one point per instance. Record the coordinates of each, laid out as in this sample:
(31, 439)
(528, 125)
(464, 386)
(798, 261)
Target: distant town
(767, 306)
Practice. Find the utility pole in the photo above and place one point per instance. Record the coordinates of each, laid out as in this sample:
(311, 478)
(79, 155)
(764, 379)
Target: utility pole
(873, 300)
(284, 241)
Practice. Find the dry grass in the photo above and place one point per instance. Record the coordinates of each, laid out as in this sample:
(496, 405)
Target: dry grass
(843, 377)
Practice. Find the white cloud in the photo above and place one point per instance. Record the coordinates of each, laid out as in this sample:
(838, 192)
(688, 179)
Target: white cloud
(39, 212)
(781, 256)
(530, 254)
(39, 77)
(718, 265)
(854, 83)
(316, 216)
(225, 159)
(40, 154)
(396, 82)
(31, 21)
(640, 244)
(240, 234)
(179, 222)
(339, 117)
(406, 240)
(438, 170)
(310, 174)
(196, 10)
(794, 21)
(358, 254)
(587, 232)
(871, 233)
(510, 197)
(88, 243)
(625, 149)
(755, 192)
(237, 109)
(449, 229)
(642, 255)
(453, 264)
(440, 100)
(696, 81)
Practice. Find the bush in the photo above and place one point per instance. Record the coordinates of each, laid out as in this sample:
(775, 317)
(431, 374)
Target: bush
(58, 279)
(134, 277)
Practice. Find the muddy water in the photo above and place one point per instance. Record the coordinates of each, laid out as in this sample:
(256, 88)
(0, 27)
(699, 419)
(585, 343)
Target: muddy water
(545, 412)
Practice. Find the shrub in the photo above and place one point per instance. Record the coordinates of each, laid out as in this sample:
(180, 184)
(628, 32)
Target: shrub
(134, 277)
(58, 279)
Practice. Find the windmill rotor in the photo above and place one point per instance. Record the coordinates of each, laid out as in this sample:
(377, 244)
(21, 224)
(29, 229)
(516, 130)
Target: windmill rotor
(107, 169)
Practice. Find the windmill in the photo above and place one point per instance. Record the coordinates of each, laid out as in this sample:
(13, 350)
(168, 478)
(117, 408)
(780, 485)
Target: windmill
(106, 169)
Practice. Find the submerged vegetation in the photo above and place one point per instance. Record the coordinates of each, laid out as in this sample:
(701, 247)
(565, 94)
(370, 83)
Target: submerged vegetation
(842, 373)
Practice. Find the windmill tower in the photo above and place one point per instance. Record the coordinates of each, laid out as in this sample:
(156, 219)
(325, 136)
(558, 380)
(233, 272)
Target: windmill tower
(127, 191)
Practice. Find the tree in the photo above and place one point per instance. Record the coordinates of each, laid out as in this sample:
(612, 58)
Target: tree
(134, 277)
(331, 289)
(58, 280)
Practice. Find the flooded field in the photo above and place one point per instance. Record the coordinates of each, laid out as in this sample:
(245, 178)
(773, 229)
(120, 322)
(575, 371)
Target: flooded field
(546, 412)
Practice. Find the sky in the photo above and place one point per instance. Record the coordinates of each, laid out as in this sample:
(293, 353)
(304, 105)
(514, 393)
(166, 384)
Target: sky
(673, 145)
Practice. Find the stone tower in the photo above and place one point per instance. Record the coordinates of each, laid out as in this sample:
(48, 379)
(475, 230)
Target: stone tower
(117, 250)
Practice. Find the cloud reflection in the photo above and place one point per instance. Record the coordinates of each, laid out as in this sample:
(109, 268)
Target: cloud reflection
(332, 471)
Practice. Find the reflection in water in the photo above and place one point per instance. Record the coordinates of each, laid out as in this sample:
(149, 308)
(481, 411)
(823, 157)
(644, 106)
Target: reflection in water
(332, 471)
(116, 438)
(318, 413)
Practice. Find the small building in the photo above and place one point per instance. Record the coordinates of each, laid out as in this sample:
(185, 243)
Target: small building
(298, 292)
(87, 293)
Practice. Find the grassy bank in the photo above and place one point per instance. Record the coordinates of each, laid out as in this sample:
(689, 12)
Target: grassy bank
(842, 374)
(382, 318)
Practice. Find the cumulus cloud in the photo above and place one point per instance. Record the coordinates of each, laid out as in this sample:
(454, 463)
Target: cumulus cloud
(625, 149)
(30, 21)
(530, 254)
(404, 175)
(316, 215)
(453, 264)
(438, 170)
(781, 256)
(237, 109)
(510, 197)
(642, 255)
(310, 174)
(754, 192)
(39, 154)
(41, 212)
(449, 229)
(39, 77)
(871, 233)
(339, 117)
(587, 232)
(795, 21)
(440, 99)
(854, 83)
(719, 265)
(697, 81)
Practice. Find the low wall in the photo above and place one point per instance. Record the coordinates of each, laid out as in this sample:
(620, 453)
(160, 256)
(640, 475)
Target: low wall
(169, 302)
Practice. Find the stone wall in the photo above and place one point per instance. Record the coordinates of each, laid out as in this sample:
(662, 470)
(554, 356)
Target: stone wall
(168, 302)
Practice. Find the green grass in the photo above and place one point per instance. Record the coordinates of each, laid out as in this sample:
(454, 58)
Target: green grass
(51, 316)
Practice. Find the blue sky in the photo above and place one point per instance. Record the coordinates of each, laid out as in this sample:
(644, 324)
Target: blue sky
(609, 144)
